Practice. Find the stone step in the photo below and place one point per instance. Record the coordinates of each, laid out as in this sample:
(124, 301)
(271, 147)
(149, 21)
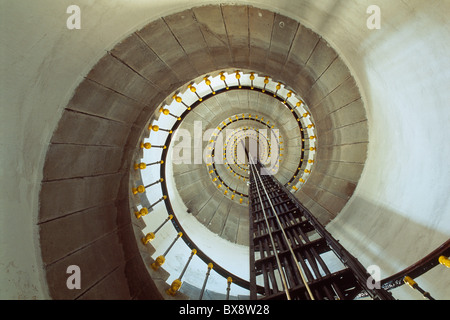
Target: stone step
(160, 277)
(159, 274)
(163, 286)
(145, 248)
(194, 293)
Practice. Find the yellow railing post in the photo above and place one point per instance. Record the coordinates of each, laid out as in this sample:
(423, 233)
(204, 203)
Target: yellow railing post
(144, 211)
(167, 113)
(156, 128)
(162, 258)
(210, 266)
(208, 83)
(222, 77)
(151, 235)
(142, 165)
(176, 284)
(141, 188)
(445, 261)
(410, 281)
(229, 281)
(194, 90)
(139, 214)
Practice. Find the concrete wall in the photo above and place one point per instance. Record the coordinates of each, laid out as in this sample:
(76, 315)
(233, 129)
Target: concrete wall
(402, 194)
(105, 117)
(219, 213)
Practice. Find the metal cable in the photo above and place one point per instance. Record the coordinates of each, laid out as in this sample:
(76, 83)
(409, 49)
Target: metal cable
(285, 237)
(283, 277)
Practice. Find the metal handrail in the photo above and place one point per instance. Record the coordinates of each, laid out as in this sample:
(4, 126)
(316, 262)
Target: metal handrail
(220, 270)
(415, 270)
(347, 259)
(389, 283)
(177, 225)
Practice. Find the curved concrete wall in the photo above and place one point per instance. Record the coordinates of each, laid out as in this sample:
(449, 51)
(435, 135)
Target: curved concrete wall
(401, 196)
(104, 119)
(223, 216)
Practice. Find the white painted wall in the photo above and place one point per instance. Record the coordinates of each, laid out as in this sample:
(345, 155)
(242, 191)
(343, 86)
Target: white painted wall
(42, 64)
(400, 210)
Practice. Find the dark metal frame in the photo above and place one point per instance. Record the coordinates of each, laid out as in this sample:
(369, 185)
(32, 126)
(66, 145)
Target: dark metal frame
(353, 278)
(309, 240)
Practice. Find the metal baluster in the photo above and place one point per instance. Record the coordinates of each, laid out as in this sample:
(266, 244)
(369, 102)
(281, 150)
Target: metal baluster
(229, 281)
(141, 188)
(210, 266)
(156, 128)
(162, 258)
(143, 165)
(176, 284)
(445, 261)
(151, 235)
(208, 83)
(145, 211)
(408, 280)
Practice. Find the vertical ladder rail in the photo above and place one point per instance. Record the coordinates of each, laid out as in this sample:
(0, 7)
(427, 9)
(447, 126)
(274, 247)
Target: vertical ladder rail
(357, 269)
(280, 269)
(210, 266)
(288, 243)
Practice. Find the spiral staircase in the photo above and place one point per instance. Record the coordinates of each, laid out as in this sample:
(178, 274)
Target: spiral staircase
(114, 201)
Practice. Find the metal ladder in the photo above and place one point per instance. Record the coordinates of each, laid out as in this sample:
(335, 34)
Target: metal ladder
(288, 248)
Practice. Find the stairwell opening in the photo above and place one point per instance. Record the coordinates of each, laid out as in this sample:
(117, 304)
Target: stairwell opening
(152, 63)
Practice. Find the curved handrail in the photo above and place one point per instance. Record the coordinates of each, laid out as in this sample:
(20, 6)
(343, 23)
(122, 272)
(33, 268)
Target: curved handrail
(177, 225)
(415, 270)
(213, 151)
(188, 241)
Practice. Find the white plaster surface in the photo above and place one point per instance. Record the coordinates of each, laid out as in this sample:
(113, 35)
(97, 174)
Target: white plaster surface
(400, 210)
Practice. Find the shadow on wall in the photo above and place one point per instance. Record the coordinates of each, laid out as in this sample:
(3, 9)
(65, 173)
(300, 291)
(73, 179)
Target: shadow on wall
(380, 236)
